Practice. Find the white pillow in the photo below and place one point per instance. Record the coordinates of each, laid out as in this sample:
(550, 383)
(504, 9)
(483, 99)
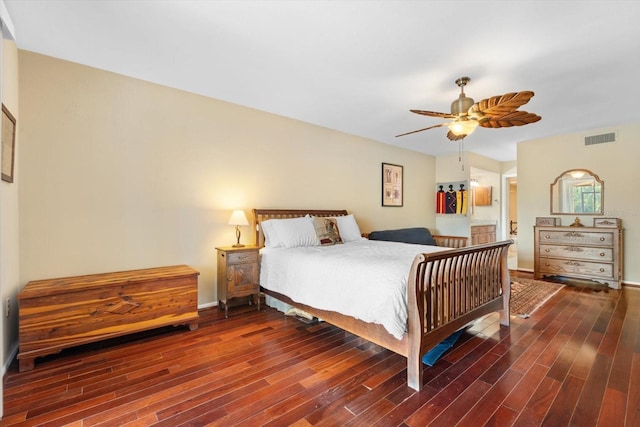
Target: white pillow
(292, 232)
(270, 236)
(349, 230)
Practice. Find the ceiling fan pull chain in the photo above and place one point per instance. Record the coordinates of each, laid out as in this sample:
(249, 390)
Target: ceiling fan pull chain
(460, 152)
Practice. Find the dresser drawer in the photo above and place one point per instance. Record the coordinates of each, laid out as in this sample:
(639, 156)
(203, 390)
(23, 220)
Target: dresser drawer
(242, 257)
(586, 253)
(562, 267)
(576, 237)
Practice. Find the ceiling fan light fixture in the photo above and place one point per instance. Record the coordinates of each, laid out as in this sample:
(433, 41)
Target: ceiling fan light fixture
(463, 127)
(499, 111)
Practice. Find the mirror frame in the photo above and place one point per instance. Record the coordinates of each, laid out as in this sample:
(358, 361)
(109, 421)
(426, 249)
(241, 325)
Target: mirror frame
(556, 211)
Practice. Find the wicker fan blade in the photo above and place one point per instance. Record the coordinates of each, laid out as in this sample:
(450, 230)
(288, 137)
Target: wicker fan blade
(435, 114)
(515, 118)
(453, 137)
(420, 130)
(498, 106)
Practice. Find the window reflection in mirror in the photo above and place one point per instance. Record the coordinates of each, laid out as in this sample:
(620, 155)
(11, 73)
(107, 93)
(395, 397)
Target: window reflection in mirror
(577, 191)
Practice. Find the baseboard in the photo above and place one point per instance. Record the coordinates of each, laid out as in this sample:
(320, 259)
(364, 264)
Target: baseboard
(12, 355)
(207, 305)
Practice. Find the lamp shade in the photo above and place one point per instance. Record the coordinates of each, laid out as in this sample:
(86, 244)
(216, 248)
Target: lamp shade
(238, 218)
(463, 127)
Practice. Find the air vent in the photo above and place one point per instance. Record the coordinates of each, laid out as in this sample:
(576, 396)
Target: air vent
(600, 139)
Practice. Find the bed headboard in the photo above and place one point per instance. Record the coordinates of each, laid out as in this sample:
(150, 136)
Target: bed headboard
(260, 215)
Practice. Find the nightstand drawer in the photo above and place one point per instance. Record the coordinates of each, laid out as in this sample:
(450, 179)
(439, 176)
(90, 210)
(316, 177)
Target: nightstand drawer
(242, 257)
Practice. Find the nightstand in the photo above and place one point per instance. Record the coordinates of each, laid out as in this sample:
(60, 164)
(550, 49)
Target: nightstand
(238, 274)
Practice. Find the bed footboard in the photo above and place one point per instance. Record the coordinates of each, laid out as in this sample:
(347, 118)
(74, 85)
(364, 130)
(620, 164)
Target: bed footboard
(449, 289)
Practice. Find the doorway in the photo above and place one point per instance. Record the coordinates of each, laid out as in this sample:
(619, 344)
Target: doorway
(511, 219)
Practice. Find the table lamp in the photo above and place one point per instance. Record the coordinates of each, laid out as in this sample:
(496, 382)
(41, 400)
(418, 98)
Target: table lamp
(238, 218)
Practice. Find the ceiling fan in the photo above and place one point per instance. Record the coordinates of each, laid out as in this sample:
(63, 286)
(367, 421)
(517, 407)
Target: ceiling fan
(496, 112)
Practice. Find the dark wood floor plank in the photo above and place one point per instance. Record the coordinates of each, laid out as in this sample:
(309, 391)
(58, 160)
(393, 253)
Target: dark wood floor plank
(623, 356)
(482, 411)
(469, 397)
(407, 407)
(560, 411)
(579, 331)
(632, 414)
(452, 390)
(539, 403)
(315, 402)
(587, 411)
(397, 379)
(373, 414)
(613, 409)
(573, 362)
(516, 400)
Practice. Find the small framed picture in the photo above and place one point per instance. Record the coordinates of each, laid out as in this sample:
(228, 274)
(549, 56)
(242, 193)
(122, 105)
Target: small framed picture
(391, 184)
(8, 144)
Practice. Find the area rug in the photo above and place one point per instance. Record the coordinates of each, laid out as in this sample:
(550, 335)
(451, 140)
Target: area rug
(528, 295)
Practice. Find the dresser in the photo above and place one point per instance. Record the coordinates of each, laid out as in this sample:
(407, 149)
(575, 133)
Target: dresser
(483, 234)
(580, 252)
(238, 274)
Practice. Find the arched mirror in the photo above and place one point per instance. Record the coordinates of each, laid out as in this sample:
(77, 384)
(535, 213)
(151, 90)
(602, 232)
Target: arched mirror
(577, 191)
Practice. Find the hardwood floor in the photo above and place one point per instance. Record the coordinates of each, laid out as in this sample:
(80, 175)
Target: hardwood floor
(576, 362)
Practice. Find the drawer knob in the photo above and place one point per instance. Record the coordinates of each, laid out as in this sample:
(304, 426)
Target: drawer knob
(546, 264)
(547, 250)
(602, 254)
(546, 236)
(602, 239)
(601, 270)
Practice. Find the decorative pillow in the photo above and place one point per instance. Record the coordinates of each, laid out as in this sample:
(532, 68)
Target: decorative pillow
(293, 232)
(327, 230)
(349, 230)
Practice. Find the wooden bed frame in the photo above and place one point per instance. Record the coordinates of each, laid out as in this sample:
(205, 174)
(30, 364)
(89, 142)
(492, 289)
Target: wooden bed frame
(446, 291)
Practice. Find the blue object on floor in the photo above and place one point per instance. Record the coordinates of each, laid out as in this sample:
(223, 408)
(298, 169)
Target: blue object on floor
(432, 356)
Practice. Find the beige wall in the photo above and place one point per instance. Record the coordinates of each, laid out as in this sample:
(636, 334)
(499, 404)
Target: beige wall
(541, 161)
(9, 237)
(118, 173)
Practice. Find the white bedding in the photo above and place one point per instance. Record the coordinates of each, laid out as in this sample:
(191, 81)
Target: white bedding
(364, 279)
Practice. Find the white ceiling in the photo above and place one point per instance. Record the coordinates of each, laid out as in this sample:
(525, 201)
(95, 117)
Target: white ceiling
(359, 66)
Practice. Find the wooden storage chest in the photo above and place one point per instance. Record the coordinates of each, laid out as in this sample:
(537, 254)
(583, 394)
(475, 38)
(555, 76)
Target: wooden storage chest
(58, 313)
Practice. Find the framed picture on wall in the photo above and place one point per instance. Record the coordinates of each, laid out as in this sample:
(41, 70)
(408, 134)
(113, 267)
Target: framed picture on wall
(391, 185)
(8, 144)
